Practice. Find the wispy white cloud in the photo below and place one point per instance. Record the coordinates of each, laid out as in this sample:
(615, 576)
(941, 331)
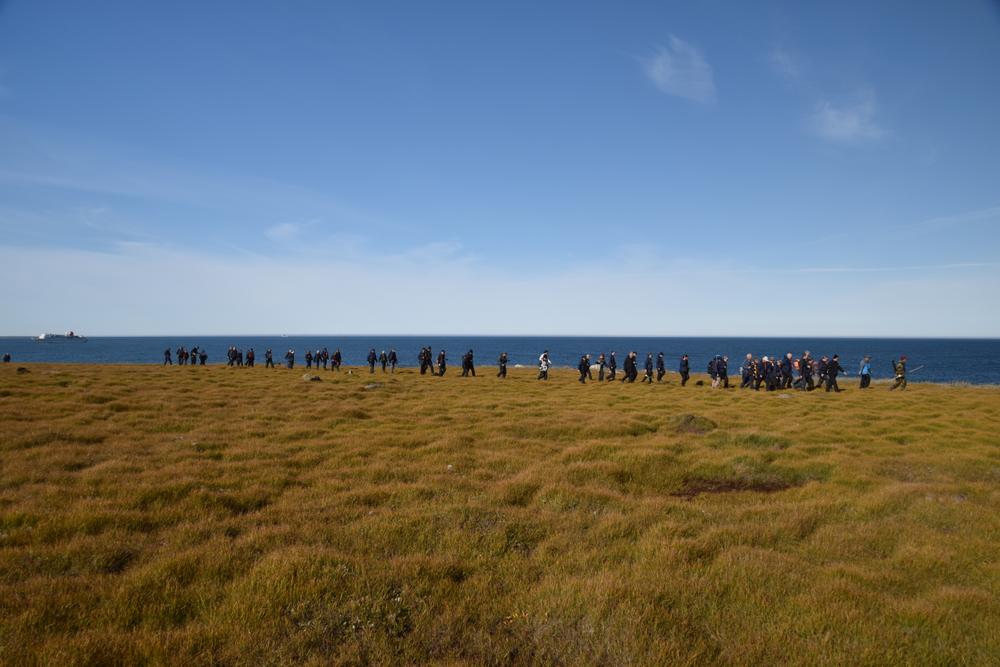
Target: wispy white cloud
(284, 231)
(680, 69)
(785, 63)
(849, 124)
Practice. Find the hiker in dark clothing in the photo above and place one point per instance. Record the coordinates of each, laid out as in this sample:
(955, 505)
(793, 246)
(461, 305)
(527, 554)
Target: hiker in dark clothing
(250, 357)
(383, 359)
(631, 367)
(602, 364)
(468, 366)
(787, 372)
(722, 368)
(442, 362)
(194, 356)
(833, 368)
(268, 359)
(612, 366)
(771, 374)
(502, 365)
(584, 368)
(337, 358)
(6, 357)
(309, 358)
(290, 359)
(648, 377)
(824, 361)
(684, 368)
(202, 356)
(393, 360)
(805, 372)
(166, 358)
(661, 368)
(372, 358)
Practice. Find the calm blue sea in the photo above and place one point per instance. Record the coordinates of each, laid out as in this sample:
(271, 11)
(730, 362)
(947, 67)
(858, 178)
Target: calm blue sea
(943, 360)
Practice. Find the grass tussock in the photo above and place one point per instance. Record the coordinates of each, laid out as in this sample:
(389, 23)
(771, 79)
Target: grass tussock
(237, 517)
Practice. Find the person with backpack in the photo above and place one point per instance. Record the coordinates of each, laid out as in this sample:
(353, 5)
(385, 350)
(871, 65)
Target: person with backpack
(290, 359)
(713, 372)
(383, 359)
(372, 358)
(502, 365)
(167, 361)
(442, 361)
(684, 369)
(661, 368)
(584, 368)
(722, 369)
(612, 366)
(250, 357)
(309, 358)
(393, 360)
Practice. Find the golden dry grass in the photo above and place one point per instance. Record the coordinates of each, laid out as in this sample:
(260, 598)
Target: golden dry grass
(244, 516)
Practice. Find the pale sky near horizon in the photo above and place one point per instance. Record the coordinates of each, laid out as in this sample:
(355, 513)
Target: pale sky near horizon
(637, 168)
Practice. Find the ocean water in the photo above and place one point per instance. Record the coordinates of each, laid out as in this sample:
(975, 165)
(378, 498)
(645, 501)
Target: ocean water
(975, 361)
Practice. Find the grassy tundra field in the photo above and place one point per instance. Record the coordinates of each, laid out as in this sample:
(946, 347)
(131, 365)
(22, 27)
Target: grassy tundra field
(246, 516)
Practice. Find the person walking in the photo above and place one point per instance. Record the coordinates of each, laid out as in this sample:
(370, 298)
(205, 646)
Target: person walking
(502, 365)
(648, 377)
(684, 369)
(543, 365)
(833, 368)
(866, 372)
(899, 367)
(167, 361)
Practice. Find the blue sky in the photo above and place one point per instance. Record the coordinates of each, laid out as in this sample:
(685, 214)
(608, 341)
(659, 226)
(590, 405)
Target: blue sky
(689, 168)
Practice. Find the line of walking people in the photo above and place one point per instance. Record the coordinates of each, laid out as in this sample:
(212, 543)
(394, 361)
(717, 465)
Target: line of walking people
(770, 373)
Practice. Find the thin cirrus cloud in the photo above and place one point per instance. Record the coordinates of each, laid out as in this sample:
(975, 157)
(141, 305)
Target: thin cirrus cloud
(785, 64)
(850, 124)
(681, 70)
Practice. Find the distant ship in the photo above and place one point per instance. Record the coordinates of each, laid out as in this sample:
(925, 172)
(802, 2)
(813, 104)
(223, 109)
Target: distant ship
(59, 338)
